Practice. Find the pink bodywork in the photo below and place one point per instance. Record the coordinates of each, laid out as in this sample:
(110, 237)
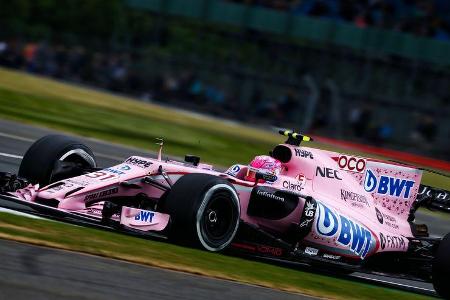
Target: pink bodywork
(362, 204)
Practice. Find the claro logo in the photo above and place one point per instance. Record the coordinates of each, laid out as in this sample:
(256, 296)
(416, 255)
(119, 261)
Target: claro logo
(298, 186)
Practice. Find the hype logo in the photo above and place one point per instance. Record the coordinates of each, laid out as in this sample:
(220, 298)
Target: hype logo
(351, 235)
(387, 185)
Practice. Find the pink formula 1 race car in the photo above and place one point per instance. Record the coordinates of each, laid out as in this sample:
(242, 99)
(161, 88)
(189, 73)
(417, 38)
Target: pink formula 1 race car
(300, 204)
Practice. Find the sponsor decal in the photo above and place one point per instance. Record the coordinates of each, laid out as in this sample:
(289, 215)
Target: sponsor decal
(328, 173)
(387, 185)
(439, 195)
(101, 194)
(351, 163)
(386, 219)
(269, 177)
(393, 242)
(95, 211)
(145, 216)
(379, 216)
(114, 171)
(274, 251)
(139, 162)
(331, 256)
(303, 153)
(59, 187)
(301, 177)
(77, 181)
(233, 170)
(311, 251)
(101, 175)
(293, 186)
(349, 233)
(356, 199)
(269, 195)
(307, 218)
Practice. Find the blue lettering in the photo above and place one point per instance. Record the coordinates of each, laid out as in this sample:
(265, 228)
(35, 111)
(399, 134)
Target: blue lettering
(359, 238)
(327, 223)
(351, 234)
(346, 235)
(145, 216)
(370, 182)
(368, 243)
(396, 186)
(383, 187)
(387, 185)
(409, 184)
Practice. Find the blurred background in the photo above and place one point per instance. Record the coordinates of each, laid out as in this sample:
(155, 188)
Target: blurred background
(368, 71)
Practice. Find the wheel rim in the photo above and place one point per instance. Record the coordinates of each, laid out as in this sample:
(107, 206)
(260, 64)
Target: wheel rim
(217, 221)
(218, 217)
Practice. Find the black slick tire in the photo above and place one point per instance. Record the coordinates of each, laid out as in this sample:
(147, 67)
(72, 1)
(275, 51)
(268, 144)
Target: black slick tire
(441, 268)
(204, 211)
(40, 160)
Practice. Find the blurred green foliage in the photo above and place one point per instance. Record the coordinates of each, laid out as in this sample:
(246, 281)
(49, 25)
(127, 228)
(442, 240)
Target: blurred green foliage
(71, 20)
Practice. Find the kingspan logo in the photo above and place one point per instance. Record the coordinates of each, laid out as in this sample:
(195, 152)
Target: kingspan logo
(386, 185)
(349, 233)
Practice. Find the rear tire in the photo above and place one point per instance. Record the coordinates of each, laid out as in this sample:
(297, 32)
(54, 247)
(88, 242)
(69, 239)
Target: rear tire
(41, 159)
(204, 211)
(441, 268)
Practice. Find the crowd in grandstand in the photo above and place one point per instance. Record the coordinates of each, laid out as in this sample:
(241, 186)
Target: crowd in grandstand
(429, 18)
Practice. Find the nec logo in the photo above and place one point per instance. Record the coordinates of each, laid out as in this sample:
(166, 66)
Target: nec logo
(387, 185)
(328, 173)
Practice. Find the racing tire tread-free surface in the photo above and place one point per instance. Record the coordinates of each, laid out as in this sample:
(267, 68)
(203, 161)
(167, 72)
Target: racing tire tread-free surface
(39, 161)
(441, 268)
(204, 210)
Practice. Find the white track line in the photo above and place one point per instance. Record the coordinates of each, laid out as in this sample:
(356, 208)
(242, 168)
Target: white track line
(393, 283)
(16, 137)
(18, 213)
(11, 155)
(21, 138)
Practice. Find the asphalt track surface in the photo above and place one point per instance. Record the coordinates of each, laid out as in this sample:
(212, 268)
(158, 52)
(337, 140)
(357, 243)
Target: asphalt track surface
(44, 273)
(63, 276)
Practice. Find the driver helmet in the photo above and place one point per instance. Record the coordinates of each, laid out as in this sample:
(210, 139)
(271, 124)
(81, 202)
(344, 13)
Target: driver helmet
(263, 164)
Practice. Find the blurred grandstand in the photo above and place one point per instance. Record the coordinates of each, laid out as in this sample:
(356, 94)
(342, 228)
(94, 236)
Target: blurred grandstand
(368, 71)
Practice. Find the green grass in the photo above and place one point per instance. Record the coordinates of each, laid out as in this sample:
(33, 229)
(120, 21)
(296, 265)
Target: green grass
(169, 256)
(91, 113)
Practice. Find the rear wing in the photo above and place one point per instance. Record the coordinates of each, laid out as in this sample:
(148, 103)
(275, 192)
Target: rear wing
(433, 198)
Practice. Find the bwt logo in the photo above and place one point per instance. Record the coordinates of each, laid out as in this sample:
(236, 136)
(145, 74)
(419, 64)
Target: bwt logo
(350, 234)
(145, 216)
(387, 185)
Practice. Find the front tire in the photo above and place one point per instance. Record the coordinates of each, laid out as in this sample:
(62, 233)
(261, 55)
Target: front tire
(204, 211)
(43, 159)
(441, 268)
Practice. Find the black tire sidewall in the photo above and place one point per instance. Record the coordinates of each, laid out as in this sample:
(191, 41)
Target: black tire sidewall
(186, 203)
(441, 268)
(39, 161)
